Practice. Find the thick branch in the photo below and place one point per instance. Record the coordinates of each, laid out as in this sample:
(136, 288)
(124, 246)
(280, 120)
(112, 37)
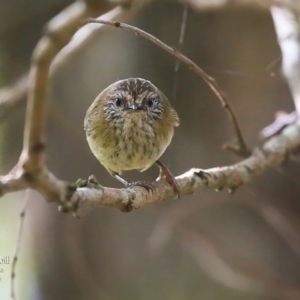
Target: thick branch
(275, 152)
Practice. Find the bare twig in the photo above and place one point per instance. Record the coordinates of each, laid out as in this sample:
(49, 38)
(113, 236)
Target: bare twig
(18, 247)
(240, 148)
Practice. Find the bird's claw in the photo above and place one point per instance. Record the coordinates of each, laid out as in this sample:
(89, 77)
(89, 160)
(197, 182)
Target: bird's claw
(167, 176)
(145, 184)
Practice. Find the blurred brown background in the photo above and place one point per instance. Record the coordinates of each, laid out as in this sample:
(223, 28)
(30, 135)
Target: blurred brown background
(207, 246)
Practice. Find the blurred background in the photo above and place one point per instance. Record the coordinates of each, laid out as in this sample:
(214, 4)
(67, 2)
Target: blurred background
(206, 246)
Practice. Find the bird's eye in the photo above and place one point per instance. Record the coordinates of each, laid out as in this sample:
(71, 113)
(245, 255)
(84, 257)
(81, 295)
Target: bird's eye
(118, 102)
(150, 102)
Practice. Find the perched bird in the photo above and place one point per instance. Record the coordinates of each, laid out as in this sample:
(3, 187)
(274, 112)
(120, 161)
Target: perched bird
(129, 126)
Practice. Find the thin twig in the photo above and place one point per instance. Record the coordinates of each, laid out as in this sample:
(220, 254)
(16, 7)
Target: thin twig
(240, 148)
(18, 246)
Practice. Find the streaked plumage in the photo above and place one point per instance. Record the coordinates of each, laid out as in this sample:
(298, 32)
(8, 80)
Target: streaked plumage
(129, 125)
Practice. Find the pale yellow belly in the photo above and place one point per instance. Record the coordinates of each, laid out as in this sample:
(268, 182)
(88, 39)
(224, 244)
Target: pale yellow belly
(131, 151)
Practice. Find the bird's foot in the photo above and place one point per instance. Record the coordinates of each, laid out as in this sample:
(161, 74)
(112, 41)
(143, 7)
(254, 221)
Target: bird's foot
(282, 120)
(129, 184)
(145, 184)
(167, 176)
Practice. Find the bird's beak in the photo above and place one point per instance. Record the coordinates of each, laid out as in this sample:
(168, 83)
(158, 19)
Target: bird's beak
(134, 106)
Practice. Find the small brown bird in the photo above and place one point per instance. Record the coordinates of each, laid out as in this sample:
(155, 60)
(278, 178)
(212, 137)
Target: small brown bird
(129, 126)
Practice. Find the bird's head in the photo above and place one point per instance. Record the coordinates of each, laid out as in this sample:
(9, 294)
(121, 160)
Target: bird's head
(133, 98)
